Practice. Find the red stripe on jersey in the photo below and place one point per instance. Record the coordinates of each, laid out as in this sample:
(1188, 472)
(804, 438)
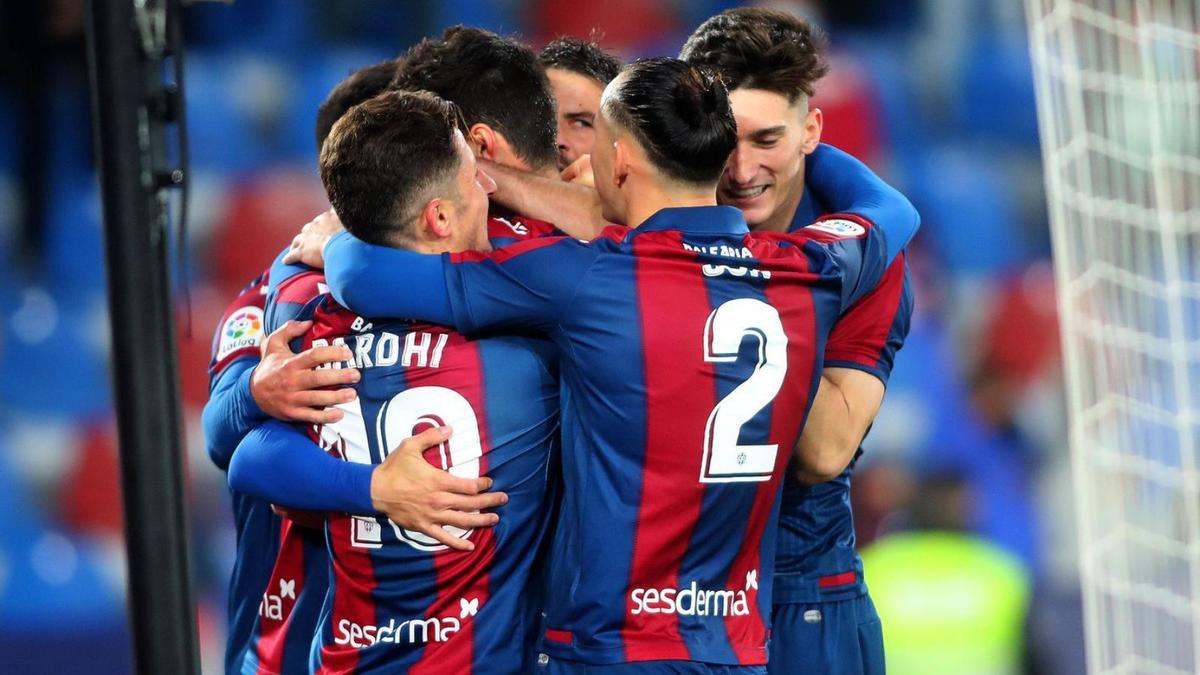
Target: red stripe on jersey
(671, 489)
(748, 634)
(862, 331)
(563, 636)
(835, 580)
(505, 253)
(279, 598)
(518, 227)
(354, 582)
(462, 577)
(615, 233)
(301, 288)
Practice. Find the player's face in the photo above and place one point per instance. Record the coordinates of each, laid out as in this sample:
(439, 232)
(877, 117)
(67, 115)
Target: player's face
(765, 174)
(473, 186)
(603, 156)
(578, 100)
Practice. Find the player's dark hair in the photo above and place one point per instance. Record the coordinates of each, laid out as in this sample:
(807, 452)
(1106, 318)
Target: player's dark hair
(584, 57)
(493, 80)
(679, 114)
(756, 48)
(384, 160)
(359, 86)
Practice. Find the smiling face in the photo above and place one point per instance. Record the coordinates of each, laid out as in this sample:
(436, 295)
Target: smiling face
(578, 99)
(765, 174)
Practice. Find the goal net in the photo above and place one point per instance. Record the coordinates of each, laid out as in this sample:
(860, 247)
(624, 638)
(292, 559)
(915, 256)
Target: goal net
(1118, 97)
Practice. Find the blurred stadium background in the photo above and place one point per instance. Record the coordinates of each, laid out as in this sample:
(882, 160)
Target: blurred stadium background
(967, 469)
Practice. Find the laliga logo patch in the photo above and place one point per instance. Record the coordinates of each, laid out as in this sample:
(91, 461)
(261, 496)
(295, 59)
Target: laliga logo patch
(839, 227)
(243, 329)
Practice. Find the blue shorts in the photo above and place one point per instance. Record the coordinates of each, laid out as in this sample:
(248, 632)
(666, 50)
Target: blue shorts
(553, 666)
(843, 637)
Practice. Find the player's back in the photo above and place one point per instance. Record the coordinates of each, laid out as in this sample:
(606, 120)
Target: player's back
(690, 357)
(399, 601)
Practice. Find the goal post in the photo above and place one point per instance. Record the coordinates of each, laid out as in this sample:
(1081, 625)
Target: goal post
(1118, 100)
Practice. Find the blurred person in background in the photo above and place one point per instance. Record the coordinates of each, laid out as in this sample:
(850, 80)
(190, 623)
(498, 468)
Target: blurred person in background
(954, 602)
(578, 70)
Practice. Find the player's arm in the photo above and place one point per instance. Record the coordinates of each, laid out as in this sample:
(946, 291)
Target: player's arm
(842, 411)
(573, 207)
(871, 224)
(230, 411)
(528, 285)
(278, 463)
(858, 362)
(847, 186)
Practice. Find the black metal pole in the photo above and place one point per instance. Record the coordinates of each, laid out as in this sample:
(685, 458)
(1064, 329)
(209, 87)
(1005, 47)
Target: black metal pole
(126, 51)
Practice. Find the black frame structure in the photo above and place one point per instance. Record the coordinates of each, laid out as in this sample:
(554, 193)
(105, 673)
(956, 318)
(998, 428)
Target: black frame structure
(130, 45)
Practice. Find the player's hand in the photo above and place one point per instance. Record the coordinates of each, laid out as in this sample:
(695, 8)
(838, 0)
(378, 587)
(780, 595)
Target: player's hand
(288, 386)
(308, 247)
(419, 497)
(580, 171)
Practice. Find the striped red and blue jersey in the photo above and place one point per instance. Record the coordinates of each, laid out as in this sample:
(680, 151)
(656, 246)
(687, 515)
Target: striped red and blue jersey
(689, 356)
(399, 601)
(292, 554)
(817, 559)
(238, 336)
(271, 568)
(506, 228)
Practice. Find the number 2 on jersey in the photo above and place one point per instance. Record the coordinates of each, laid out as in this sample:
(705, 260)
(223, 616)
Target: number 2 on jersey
(724, 459)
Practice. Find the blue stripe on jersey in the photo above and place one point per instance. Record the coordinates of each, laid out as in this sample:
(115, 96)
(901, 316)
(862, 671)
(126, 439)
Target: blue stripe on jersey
(257, 545)
(607, 498)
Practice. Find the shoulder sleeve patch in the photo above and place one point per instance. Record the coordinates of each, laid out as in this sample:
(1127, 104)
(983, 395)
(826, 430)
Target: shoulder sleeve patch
(839, 227)
(242, 330)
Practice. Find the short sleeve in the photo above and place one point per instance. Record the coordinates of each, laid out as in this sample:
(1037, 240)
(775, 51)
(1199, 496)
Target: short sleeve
(855, 245)
(529, 285)
(873, 329)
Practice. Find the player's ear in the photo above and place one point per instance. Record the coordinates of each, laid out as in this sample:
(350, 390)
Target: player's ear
(483, 141)
(814, 122)
(620, 163)
(435, 218)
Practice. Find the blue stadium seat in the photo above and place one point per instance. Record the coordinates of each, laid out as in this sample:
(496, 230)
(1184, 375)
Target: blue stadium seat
(50, 580)
(74, 236)
(967, 217)
(996, 92)
(315, 78)
(54, 362)
(223, 130)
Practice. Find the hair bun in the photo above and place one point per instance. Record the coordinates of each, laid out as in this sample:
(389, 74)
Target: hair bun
(697, 95)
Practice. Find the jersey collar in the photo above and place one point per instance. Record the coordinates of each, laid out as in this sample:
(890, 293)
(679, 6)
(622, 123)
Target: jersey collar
(697, 219)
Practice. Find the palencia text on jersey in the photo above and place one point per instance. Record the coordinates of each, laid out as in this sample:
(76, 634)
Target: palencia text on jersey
(420, 349)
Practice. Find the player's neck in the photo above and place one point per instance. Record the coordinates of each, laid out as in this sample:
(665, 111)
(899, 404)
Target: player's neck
(781, 218)
(652, 199)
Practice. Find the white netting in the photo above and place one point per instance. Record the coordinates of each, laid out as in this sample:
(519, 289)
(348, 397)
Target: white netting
(1118, 88)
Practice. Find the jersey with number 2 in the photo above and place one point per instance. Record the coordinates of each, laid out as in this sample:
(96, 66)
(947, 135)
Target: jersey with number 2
(690, 351)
